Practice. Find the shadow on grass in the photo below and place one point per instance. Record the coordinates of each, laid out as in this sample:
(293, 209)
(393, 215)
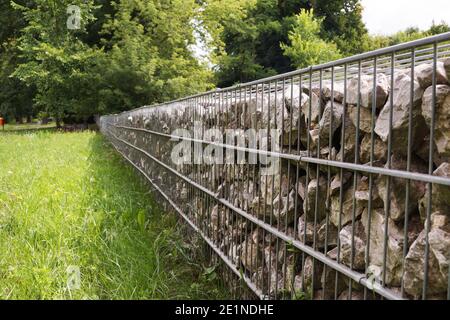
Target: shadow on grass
(139, 252)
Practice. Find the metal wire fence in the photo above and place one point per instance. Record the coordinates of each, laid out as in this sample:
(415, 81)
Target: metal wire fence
(358, 205)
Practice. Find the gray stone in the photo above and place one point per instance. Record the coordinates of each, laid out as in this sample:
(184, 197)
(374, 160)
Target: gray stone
(347, 208)
(423, 152)
(358, 243)
(438, 260)
(250, 255)
(355, 295)
(394, 255)
(349, 142)
(379, 149)
(400, 119)
(283, 208)
(424, 74)
(313, 104)
(331, 120)
(324, 233)
(362, 193)
(336, 182)
(318, 187)
(329, 285)
(365, 118)
(397, 194)
(312, 274)
(442, 117)
(440, 194)
(366, 92)
(337, 92)
(447, 67)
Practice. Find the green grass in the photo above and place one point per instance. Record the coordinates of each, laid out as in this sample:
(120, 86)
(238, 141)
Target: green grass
(28, 126)
(67, 199)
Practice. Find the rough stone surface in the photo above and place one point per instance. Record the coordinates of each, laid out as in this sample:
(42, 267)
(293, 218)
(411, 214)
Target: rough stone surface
(447, 67)
(347, 208)
(400, 115)
(379, 149)
(366, 92)
(331, 120)
(397, 194)
(440, 194)
(438, 260)
(349, 142)
(424, 74)
(442, 117)
(336, 182)
(394, 244)
(250, 255)
(358, 243)
(316, 187)
(324, 233)
(365, 118)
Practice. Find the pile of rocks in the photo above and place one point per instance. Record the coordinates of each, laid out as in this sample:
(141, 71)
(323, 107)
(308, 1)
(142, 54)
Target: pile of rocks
(372, 224)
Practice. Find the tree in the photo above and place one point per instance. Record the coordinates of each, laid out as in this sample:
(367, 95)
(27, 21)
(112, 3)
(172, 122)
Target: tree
(149, 57)
(57, 62)
(15, 97)
(342, 24)
(306, 48)
(252, 35)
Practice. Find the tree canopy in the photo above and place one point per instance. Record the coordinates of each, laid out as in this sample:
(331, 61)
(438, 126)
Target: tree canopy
(71, 59)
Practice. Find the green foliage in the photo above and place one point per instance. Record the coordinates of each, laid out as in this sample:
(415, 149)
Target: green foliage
(57, 62)
(130, 53)
(343, 24)
(306, 48)
(248, 41)
(149, 58)
(409, 34)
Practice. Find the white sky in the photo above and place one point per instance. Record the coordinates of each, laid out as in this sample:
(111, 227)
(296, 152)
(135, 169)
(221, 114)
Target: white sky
(390, 16)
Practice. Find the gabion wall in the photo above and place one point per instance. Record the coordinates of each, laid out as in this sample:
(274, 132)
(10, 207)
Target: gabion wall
(359, 205)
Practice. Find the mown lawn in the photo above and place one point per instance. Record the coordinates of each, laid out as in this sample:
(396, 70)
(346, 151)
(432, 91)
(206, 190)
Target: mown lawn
(68, 202)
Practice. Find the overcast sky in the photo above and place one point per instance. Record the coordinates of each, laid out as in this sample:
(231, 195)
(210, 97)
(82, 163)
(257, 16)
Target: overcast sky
(390, 16)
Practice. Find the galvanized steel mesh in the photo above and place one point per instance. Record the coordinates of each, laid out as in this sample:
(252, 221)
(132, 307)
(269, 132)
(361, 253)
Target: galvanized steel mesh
(360, 205)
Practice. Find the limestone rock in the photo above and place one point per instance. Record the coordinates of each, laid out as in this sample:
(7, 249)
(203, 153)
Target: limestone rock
(379, 149)
(312, 271)
(328, 283)
(349, 142)
(424, 74)
(423, 152)
(362, 194)
(440, 194)
(438, 260)
(442, 117)
(365, 118)
(347, 208)
(318, 187)
(397, 188)
(356, 295)
(400, 115)
(250, 255)
(359, 245)
(322, 232)
(447, 67)
(394, 244)
(336, 182)
(337, 92)
(283, 208)
(366, 92)
(331, 120)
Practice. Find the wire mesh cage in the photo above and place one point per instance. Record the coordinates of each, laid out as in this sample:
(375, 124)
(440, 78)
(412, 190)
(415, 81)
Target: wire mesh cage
(330, 182)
